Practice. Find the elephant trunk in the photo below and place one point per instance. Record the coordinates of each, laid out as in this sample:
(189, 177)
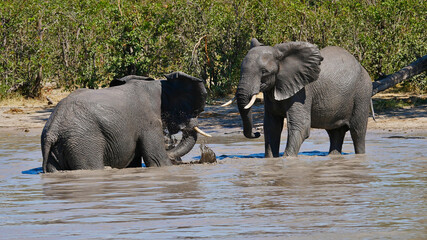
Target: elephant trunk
(187, 143)
(243, 98)
(189, 138)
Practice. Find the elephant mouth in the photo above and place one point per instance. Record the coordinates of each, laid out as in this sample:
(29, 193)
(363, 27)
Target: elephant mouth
(246, 96)
(172, 129)
(267, 83)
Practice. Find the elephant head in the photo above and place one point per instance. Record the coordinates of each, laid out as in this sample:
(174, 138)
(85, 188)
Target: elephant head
(279, 71)
(183, 98)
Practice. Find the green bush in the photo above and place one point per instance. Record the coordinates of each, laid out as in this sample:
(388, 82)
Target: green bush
(87, 43)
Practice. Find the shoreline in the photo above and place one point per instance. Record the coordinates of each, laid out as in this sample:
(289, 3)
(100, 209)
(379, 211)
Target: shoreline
(30, 117)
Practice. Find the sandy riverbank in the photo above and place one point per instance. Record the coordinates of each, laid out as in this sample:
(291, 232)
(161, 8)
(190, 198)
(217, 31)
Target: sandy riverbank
(26, 116)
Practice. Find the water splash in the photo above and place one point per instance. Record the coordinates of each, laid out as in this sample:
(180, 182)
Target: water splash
(39, 170)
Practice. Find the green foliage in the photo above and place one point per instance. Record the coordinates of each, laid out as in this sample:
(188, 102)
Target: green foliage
(87, 43)
(393, 103)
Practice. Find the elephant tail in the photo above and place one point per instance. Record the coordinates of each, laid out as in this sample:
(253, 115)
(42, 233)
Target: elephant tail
(50, 162)
(372, 110)
(46, 151)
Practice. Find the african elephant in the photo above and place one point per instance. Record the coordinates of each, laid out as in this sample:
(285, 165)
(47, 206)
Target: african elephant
(117, 126)
(326, 89)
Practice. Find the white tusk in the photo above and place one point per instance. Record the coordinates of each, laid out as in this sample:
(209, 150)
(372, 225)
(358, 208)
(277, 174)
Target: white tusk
(201, 132)
(251, 102)
(229, 102)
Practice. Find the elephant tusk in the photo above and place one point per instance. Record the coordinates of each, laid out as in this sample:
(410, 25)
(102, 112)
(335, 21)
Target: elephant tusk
(201, 132)
(229, 102)
(251, 102)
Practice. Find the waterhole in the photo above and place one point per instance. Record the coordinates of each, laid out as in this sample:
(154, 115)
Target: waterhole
(381, 194)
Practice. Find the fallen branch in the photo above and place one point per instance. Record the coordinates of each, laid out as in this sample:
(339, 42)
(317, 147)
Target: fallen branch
(415, 68)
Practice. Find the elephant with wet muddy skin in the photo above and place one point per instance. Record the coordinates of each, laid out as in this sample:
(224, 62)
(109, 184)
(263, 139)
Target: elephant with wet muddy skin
(311, 88)
(122, 125)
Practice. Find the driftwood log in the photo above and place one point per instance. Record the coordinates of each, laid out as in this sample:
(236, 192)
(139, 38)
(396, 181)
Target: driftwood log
(415, 68)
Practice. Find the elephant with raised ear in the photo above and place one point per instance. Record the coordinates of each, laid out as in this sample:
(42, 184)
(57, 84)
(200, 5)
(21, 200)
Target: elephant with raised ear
(326, 89)
(121, 125)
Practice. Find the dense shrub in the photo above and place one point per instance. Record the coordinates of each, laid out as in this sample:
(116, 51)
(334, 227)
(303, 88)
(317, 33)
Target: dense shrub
(86, 43)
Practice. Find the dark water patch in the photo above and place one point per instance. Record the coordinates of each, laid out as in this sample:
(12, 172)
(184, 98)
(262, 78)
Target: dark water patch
(33, 171)
(262, 155)
(319, 153)
(405, 137)
(223, 156)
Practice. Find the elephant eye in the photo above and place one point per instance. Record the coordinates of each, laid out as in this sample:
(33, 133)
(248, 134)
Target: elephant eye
(264, 71)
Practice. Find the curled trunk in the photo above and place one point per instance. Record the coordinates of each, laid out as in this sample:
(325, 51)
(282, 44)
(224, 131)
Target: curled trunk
(188, 140)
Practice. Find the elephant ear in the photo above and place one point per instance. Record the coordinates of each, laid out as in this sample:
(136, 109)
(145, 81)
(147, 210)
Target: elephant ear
(182, 77)
(299, 65)
(183, 96)
(123, 80)
(255, 43)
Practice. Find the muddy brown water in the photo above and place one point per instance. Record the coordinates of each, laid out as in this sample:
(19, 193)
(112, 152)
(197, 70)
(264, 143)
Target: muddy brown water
(379, 195)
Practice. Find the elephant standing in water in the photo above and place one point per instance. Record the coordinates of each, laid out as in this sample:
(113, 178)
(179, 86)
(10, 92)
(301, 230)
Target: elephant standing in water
(118, 126)
(326, 89)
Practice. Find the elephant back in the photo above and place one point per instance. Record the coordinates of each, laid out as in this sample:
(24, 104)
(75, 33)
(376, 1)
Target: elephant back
(123, 80)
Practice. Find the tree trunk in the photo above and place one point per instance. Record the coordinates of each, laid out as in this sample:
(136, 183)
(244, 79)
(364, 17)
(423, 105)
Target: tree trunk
(37, 85)
(415, 68)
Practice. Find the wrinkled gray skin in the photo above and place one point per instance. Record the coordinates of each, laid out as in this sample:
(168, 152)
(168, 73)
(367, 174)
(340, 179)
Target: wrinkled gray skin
(326, 89)
(117, 126)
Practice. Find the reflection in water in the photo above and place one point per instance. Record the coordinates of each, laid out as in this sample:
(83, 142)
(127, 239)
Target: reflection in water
(254, 155)
(315, 196)
(96, 185)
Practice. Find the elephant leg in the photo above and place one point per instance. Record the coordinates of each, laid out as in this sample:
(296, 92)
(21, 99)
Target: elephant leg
(359, 121)
(136, 161)
(152, 148)
(84, 153)
(297, 133)
(295, 140)
(358, 134)
(273, 126)
(299, 123)
(88, 155)
(336, 138)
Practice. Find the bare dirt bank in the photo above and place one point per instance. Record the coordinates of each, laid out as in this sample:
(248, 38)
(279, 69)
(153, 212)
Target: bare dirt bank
(26, 116)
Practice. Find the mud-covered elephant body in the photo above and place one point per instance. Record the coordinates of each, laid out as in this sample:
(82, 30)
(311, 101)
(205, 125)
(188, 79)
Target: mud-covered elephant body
(325, 89)
(118, 126)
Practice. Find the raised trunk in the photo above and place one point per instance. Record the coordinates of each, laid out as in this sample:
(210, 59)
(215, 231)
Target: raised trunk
(415, 68)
